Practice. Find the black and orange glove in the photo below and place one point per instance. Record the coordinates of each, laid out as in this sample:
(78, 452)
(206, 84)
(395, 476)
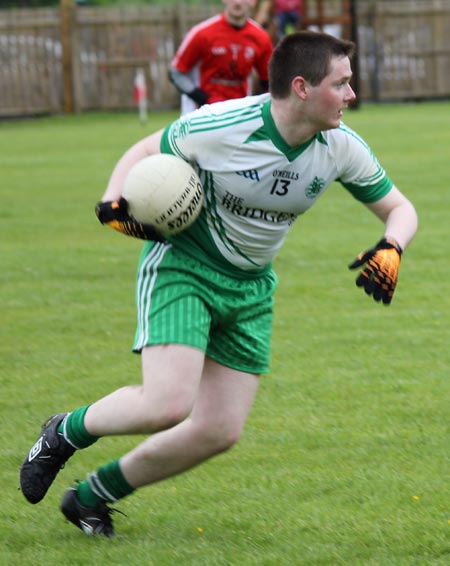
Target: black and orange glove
(379, 277)
(115, 214)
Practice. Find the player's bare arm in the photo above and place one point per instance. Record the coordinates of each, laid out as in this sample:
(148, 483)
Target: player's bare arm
(398, 215)
(147, 146)
(113, 209)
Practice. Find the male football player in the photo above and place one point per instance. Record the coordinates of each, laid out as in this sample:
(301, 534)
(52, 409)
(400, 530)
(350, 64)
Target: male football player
(205, 295)
(216, 59)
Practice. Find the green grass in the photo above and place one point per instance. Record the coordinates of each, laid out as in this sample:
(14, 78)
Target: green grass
(345, 457)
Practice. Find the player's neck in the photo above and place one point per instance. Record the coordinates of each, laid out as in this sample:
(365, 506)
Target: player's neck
(236, 22)
(295, 131)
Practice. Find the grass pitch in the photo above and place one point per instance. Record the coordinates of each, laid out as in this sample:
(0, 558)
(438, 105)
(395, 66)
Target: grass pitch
(345, 456)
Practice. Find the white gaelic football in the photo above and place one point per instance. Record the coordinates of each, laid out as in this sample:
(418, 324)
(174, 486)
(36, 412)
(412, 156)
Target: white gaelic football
(165, 191)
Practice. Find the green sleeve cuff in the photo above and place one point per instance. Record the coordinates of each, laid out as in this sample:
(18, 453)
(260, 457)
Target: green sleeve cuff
(164, 146)
(370, 193)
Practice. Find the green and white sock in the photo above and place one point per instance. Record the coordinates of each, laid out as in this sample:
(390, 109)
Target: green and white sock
(107, 483)
(74, 431)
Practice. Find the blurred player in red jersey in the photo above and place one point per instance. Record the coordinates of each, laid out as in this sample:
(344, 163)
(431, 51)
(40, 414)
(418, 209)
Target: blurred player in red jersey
(216, 58)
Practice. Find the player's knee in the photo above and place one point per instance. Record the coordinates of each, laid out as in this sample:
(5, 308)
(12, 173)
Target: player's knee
(173, 414)
(157, 414)
(164, 418)
(220, 437)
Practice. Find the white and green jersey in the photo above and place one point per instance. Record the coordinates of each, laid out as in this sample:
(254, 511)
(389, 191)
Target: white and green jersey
(256, 185)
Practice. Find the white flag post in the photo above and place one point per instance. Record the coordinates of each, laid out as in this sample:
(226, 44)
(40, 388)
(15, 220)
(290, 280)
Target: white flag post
(140, 94)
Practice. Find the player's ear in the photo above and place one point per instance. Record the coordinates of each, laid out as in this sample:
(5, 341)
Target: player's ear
(300, 87)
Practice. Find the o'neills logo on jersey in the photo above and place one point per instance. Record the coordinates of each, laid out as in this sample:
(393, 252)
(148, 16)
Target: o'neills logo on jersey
(219, 50)
(237, 207)
(291, 175)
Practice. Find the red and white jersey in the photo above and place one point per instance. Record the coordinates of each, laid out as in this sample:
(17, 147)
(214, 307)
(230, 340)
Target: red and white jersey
(223, 57)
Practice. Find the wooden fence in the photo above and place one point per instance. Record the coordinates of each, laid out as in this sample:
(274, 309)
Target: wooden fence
(404, 49)
(86, 58)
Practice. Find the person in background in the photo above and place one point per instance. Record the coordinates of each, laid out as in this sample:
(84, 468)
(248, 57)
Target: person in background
(287, 13)
(205, 296)
(216, 59)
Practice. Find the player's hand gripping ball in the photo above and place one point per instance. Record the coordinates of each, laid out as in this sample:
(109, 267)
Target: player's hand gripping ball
(114, 213)
(380, 274)
(164, 191)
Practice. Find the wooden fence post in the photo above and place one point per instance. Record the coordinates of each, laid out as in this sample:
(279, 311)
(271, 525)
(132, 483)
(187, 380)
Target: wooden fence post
(354, 37)
(67, 12)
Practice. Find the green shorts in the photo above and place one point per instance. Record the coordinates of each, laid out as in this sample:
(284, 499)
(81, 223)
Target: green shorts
(182, 301)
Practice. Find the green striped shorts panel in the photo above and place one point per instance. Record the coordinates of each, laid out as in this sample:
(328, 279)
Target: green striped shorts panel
(181, 301)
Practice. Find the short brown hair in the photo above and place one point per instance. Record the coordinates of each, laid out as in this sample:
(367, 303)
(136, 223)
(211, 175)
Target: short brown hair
(306, 54)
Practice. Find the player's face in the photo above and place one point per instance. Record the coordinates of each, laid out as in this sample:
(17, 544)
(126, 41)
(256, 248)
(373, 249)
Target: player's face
(237, 11)
(328, 100)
